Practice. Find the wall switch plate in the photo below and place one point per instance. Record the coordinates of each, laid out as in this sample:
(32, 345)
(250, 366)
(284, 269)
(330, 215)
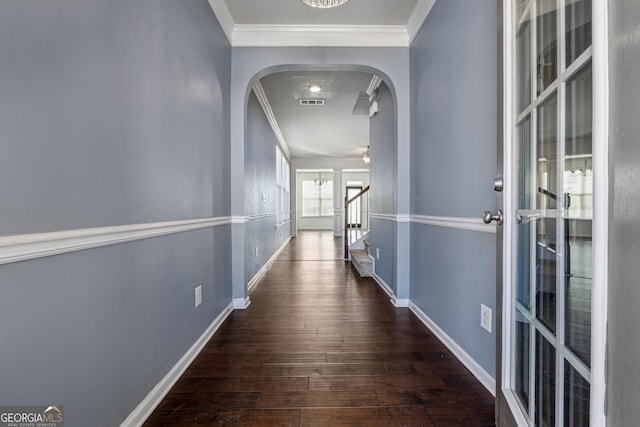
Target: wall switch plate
(377, 253)
(256, 252)
(198, 294)
(485, 317)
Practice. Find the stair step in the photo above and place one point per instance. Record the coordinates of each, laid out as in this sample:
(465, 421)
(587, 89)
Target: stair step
(367, 244)
(362, 262)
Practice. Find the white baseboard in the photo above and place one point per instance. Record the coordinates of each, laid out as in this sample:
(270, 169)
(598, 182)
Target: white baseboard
(241, 303)
(386, 288)
(478, 371)
(400, 302)
(155, 396)
(256, 277)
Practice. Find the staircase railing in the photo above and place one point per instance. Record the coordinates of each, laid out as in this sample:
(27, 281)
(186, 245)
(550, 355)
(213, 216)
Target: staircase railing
(356, 218)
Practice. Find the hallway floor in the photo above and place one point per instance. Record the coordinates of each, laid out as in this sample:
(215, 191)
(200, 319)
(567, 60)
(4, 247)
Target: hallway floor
(319, 346)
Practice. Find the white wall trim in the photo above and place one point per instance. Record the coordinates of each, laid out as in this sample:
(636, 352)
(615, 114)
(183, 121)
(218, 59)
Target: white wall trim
(239, 219)
(478, 371)
(471, 224)
(400, 302)
(418, 16)
(224, 16)
(256, 277)
(253, 217)
(241, 303)
(383, 285)
(391, 217)
(155, 396)
(271, 118)
(374, 84)
(600, 292)
(320, 35)
(30, 246)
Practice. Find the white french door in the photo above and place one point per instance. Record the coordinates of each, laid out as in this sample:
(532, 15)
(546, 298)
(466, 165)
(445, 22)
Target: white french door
(549, 210)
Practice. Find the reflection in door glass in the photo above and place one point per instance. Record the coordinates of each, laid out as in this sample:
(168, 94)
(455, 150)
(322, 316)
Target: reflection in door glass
(524, 203)
(524, 66)
(545, 374)
(547, 198)
(576, 398)
(547, 46)
(578, 185)
(522, 359)
(578, 23)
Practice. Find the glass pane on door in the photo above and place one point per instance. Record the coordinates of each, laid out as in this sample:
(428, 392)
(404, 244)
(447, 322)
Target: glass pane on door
(545, 374)
(547, 203)
(551, 217)
(547, 51)
(578, 28)
(576, 398)
(578, 188)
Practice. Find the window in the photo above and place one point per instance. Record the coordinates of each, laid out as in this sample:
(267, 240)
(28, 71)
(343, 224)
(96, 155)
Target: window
(317, 199)
(283, 173)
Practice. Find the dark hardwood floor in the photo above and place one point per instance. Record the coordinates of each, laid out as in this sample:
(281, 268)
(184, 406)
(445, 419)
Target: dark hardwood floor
(319, 346)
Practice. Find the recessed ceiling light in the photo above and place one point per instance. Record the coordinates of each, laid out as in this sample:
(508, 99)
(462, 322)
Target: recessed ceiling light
(315, 88)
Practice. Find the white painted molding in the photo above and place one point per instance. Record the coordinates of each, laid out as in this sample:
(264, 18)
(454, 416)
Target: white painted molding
(256, 277)
(400, 302)
(30, 246)
(253, 217)
(373, 86)
(391, 217)
(241, 303)
(418, 16)
(320, 35)
(223, 14)
(471, 224)
(478, 371)
(239, 220)
(283, 223)
(155, 396)
(271, 118)
(383, 285)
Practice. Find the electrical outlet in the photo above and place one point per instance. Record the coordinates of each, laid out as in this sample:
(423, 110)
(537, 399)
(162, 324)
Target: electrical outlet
(198, 294)
(377, 253)
(485, 317)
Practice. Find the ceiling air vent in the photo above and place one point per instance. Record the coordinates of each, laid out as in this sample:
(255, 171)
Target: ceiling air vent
(312, 102)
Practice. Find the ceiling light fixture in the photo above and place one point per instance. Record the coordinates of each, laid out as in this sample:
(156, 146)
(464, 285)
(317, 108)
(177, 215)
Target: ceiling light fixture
(366, 157)
(315, 88)
(324, 4)
(320, 180)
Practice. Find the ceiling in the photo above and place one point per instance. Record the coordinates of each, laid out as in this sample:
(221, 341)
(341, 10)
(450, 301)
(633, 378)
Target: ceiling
(330, 130)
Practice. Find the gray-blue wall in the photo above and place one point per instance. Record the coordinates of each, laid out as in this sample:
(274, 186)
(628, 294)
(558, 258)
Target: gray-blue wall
(453, 162)
(262, 230)
(383, 173)
(111, 113)
(623, 341)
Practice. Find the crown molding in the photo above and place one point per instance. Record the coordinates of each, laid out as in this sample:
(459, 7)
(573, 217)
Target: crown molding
(244, 35)
(320, 35)
(271, 118)
(418, 16)
(224, 16)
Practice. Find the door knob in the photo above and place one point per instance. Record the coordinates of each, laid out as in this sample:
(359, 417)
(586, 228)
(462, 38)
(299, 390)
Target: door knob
(487, 217)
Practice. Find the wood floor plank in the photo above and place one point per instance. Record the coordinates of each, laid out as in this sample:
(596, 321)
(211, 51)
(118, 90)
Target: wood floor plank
(319, 346)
